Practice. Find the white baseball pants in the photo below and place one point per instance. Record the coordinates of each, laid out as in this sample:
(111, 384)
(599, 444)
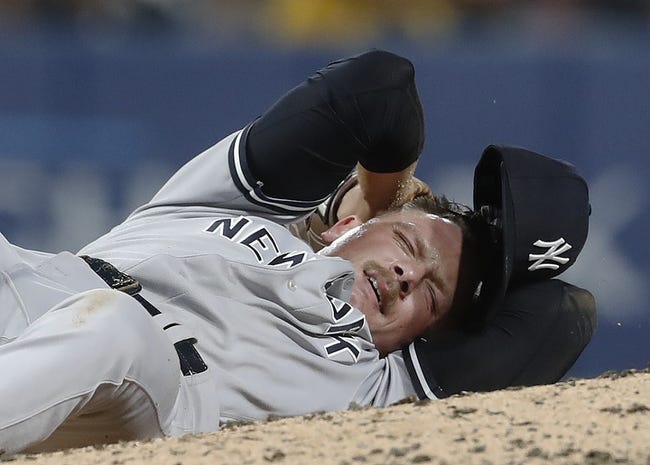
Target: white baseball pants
(94, 369)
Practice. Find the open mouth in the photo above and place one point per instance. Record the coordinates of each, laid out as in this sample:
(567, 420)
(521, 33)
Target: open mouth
(375, 288)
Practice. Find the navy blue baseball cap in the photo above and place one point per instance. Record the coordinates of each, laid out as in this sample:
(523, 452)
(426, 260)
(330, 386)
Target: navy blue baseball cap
(537, 210)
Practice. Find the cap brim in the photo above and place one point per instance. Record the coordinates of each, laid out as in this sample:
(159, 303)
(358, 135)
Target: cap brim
(493, 198)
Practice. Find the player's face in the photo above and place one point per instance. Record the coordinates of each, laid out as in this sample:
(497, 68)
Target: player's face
(406, 269)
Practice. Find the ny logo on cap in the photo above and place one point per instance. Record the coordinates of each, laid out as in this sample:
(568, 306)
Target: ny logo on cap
(552, 254)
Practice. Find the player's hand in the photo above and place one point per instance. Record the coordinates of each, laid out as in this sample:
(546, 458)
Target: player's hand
(366, 195)
(376, 193)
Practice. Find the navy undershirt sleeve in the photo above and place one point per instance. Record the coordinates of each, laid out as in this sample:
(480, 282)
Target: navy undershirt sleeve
(363, 108)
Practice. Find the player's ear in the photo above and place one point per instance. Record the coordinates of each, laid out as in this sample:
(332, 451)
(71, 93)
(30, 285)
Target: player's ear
(339, 228)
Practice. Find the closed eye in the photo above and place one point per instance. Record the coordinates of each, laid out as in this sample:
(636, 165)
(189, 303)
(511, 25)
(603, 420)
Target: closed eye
(407, 245)
(432, 296)
(404, 242)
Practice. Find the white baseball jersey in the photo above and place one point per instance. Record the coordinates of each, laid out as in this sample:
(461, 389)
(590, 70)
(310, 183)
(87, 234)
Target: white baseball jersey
(240, 319)
(270, 316)
(267, 315)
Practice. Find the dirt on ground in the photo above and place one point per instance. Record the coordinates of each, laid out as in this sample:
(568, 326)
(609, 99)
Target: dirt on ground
(605, 420)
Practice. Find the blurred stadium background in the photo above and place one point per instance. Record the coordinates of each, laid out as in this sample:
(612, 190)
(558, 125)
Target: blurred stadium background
(101, 101)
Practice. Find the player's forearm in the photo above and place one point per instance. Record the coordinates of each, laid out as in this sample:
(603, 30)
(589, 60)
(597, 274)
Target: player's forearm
(377, 192)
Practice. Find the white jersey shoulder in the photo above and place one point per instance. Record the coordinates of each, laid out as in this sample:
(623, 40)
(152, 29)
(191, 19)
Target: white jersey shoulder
(220, 177)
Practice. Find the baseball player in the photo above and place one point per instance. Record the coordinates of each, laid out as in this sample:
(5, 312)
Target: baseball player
(202, 308)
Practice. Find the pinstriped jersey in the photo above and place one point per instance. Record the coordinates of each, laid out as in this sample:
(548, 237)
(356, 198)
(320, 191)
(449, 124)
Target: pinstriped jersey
(271, 317)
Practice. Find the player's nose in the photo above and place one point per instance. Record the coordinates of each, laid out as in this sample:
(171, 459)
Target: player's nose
(408, 275)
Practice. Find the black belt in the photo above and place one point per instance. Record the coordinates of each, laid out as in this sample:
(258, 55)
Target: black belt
(189, 358)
